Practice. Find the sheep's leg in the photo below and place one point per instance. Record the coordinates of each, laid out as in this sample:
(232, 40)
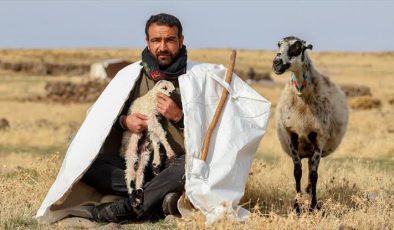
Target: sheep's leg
(297, 177)
(309, 186)
(131, 156)
(297, 172)
(313, 176)
(312, 136)
(297, 167)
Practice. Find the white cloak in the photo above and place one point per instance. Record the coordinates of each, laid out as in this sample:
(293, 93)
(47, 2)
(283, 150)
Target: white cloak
(215, 186)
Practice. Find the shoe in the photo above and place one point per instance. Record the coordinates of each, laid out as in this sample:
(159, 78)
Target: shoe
(170, 203)
(116, 212)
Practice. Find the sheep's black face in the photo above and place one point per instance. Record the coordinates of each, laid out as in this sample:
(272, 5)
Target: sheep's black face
(290, 54)
(278, 66)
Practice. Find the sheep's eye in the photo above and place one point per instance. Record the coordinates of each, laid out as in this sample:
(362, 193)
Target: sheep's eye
(165, 88)
(278, 44)
(295, 49)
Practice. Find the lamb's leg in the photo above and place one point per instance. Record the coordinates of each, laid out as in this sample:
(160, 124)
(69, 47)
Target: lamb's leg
(138, 195)
(161, 134)
(156, 162)
(313, 176)
(131, 156)
(157, 135)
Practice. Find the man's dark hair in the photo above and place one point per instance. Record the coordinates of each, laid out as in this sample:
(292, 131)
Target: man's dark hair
(166, 20)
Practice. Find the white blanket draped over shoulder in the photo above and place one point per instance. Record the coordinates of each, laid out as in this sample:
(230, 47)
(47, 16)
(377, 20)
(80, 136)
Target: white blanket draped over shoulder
(214, 186)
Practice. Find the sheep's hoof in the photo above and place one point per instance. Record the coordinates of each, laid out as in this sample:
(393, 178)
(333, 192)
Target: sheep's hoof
(317, 206)
(297, 207)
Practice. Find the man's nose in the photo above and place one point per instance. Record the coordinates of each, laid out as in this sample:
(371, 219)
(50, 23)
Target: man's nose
(163, 46)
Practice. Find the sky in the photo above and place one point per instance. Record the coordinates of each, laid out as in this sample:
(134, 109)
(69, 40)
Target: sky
(329, 25)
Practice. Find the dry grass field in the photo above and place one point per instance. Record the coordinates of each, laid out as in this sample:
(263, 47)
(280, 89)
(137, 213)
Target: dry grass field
(355, 187)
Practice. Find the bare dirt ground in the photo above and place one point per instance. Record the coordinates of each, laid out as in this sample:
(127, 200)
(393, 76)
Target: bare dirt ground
(355, 184)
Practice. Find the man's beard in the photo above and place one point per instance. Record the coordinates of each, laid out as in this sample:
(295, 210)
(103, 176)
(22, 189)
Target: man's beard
(170, 58)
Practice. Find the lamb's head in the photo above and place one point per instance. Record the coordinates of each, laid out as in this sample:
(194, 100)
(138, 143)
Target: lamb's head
(165, 87)
(291, 55)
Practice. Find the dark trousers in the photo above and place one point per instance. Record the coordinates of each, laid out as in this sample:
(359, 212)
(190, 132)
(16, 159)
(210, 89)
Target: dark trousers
(107, 175)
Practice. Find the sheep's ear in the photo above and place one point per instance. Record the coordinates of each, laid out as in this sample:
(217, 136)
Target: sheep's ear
(309, 46)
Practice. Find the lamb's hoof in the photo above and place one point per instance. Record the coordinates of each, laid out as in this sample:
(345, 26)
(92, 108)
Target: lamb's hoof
(171, 156)
(132, 184)
(156, 169)
(137, 198)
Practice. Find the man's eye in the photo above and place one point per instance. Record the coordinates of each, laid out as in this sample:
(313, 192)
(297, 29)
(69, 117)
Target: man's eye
(171, 39)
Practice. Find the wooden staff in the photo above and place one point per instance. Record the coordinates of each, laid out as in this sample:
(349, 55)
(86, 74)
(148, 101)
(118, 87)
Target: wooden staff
(219, 108)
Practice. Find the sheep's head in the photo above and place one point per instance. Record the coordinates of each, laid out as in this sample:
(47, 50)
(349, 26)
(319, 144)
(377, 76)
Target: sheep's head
(165, 87)
(291, 54)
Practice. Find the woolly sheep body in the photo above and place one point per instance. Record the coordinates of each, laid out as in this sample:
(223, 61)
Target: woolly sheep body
(323, 110)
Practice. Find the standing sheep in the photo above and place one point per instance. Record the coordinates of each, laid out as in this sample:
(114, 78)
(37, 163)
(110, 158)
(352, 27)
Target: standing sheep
(137, 162)
(312, 113)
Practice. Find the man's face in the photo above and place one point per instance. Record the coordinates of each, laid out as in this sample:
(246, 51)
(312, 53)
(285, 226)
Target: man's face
(163, 43)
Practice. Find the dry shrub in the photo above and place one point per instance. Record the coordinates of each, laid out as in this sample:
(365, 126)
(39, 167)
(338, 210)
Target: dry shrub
(368, 215)
(68, 92)
(42, 68)
(391, 101)
(343, 187)
(22, 189)
(364, 103)
(356, 90)
(4, 124)
(253, 75)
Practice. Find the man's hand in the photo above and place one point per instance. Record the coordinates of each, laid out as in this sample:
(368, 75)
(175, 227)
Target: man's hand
(135, 123)
(168, 108)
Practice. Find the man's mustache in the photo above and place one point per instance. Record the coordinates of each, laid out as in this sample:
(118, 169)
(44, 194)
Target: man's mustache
(163, 53)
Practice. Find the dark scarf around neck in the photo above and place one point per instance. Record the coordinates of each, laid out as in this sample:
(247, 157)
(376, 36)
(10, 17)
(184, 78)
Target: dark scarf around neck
(171, 72)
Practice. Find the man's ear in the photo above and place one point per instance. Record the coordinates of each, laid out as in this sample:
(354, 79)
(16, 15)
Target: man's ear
(181, 42)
